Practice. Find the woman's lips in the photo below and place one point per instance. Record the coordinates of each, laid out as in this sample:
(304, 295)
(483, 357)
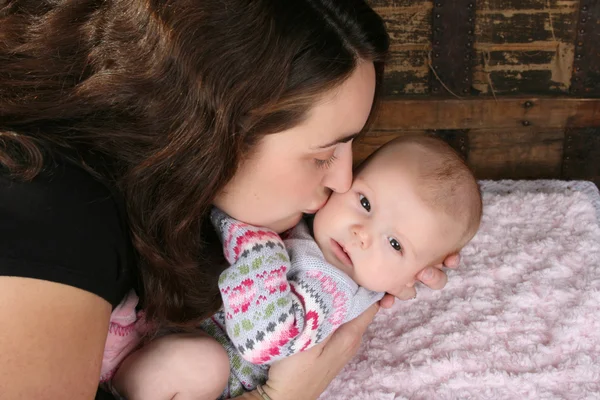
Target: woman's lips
(340, 254)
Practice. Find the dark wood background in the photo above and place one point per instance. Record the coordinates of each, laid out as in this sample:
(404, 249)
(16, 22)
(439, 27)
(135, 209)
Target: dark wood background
(514, 85)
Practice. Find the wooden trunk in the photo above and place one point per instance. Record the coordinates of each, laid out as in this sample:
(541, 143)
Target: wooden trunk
(513, 85)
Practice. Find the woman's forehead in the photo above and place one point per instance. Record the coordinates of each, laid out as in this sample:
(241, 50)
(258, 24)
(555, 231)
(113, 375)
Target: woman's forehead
(346, 109)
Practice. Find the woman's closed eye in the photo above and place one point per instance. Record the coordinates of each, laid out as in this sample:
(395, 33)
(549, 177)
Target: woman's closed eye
(327, 163)
(364, 202)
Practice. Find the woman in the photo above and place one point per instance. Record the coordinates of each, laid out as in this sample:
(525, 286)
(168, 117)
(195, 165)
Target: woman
(121, 123)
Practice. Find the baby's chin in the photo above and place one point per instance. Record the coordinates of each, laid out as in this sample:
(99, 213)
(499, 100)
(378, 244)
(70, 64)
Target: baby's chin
(332, 260)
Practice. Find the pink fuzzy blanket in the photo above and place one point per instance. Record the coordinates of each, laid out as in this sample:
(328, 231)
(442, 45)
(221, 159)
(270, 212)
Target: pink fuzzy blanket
(520, 319)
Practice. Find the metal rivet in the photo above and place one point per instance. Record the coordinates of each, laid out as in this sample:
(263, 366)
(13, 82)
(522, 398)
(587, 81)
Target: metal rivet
(584, 20)
(436, 67)
(567, 158)
(436, 55)
(578, 69)
(579, 56)
(582, 31)
(580, 43)
(528, 104)
(435, 89)
(525, 123)
(470, 32)
(584, 8)
(467, 57)
(438, 4)
(437, 42)
(568, 147)
(438, 29)
(438, 15)
(470, 19)
(470, 5)
(465, 90)
(469, 44)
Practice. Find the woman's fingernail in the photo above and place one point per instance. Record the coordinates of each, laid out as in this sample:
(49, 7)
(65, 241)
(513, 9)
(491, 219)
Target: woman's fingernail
(427, 274)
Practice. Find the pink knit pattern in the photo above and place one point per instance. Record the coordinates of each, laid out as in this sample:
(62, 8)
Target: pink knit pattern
(125, 330)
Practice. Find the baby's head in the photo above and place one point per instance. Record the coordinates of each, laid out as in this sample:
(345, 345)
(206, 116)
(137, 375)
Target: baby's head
(412, 203)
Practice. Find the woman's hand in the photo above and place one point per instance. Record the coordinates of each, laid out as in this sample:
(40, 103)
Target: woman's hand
(304, 376)
(434, 277)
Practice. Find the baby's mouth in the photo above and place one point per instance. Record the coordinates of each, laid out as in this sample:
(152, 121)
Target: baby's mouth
(341, 254)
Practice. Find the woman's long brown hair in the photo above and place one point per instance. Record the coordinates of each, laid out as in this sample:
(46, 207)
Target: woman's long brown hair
(169, 95)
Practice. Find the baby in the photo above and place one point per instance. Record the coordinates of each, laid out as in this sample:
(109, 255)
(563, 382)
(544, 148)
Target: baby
(411, 204)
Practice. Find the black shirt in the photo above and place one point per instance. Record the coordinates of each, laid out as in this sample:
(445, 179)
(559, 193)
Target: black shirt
(66, 227)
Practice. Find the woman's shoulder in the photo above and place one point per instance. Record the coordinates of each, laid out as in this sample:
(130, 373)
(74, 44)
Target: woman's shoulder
(67, 227)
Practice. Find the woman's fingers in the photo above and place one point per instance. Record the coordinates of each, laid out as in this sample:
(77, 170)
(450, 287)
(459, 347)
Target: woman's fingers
(452, 261)
(433, 277)
(387, 301)
(304, 376)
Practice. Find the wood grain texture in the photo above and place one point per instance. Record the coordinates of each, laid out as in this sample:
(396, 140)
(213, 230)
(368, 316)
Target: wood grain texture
(409, 25)
(581, 158)
(586, 74)
(453, 35)
(407, 72)
(492, 154)
(525, 47)
(485, 113)
(516, 154)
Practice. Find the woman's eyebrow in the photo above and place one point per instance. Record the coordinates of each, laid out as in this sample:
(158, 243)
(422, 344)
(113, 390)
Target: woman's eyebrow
(344, 139)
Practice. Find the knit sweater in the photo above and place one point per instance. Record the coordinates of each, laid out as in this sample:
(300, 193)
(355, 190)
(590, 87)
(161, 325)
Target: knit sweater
(280, 297)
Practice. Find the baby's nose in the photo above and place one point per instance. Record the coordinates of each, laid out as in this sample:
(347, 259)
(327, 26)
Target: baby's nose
(362, 235)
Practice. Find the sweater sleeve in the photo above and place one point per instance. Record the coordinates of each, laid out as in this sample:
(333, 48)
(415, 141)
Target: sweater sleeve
(274, 307)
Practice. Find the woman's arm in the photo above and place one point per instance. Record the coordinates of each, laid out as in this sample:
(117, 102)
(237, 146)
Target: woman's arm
(52, 340)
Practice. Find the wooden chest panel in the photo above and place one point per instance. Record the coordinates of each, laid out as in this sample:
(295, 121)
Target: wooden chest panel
(514, 87)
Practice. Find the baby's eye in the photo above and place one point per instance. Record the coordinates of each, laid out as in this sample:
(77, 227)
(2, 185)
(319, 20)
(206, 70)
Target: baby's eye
(365, 202)
(395, 244)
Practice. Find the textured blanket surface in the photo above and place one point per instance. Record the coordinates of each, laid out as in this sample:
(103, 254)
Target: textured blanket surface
(520, 318)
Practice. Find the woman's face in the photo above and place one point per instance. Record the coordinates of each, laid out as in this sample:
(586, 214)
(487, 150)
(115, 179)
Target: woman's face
(294, 171)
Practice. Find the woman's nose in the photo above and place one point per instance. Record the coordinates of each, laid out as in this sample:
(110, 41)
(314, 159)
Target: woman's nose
(361, 234)
(339, 177)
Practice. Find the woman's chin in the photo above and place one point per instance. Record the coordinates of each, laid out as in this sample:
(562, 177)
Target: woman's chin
(286, 224)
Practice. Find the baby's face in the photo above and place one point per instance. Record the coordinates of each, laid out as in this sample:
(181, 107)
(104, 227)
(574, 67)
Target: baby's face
(380, 232)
